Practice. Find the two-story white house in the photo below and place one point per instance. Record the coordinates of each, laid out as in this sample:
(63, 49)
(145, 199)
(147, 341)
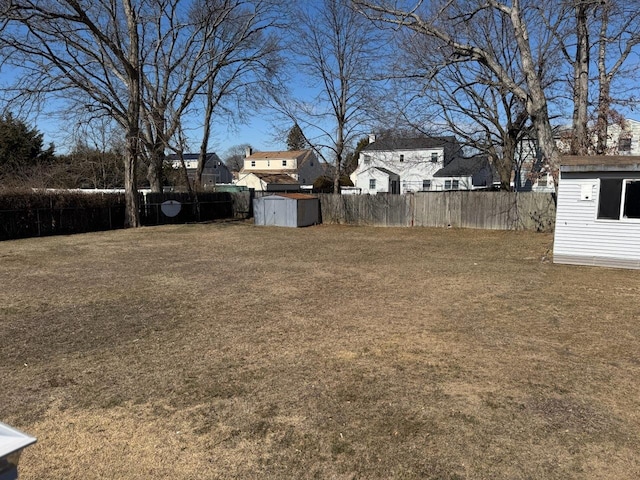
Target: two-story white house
(402, 165)
(278, 171)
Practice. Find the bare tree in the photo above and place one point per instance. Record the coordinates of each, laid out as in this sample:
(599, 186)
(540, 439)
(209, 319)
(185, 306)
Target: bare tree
(466, 98)
(93, 48)
(451, 23)
(219, 51)
(235, 155)
(243, 61)
(338, 50)
(617, 38)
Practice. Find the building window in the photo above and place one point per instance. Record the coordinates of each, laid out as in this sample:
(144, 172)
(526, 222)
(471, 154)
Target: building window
(284, 163)
(253, 163)
(447, 184)
(624, 144)
(372, 184)
(426, 184)
(367, 159)
(268, 163)
(402, 158)
(616, 195)
(434, 157)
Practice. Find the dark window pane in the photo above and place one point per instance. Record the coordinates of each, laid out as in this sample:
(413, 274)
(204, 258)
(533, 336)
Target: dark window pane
(624, 145)
(609, 199)
(632, 200)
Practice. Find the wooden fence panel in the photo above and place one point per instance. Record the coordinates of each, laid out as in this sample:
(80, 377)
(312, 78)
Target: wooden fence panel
(465, 209)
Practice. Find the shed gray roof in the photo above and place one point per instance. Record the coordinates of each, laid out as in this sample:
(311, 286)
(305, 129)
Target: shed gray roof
(600, 163)
(463, 167)
(409, 143)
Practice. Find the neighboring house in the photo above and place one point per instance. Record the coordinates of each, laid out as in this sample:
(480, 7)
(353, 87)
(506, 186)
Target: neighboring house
(278, 171)
(214, 172)
(598, 211)
(530, 174)
(401, 165)
(466, 174)
(622, 139)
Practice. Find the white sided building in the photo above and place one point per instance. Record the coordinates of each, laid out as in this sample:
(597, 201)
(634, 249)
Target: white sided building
(598, 212)
(404, 165)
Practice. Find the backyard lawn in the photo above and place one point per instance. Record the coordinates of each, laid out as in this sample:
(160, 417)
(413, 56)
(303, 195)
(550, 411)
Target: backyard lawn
(233, 351)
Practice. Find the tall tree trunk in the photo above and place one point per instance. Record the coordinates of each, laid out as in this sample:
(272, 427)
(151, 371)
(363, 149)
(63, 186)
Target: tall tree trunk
(604, 94)
(537, 100)
(154, 169)
(580, 139)
(204, 145)
(507, 161)
(132, 213)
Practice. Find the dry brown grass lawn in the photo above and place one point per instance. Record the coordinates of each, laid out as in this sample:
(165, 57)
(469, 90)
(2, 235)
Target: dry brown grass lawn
(232, 351)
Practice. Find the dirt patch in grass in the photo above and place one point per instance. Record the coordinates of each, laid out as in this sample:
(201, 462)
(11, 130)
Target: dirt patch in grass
(232, 351)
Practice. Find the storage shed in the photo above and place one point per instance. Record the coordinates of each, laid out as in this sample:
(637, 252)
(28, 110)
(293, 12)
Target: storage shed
(287, 210)
(598, 212)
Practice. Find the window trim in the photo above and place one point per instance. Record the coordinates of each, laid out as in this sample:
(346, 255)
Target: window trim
(372, 184)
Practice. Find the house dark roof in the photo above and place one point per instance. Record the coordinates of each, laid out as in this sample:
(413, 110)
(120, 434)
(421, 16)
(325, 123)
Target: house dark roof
(600, 163)
(386, 171)
(463, 167)
(409, 143)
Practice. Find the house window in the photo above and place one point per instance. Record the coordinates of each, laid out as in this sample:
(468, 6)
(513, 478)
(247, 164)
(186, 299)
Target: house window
(434, 158)
(616, 195)
(367, 159)
(624, 144)
(426, 184)
(372, 184)
(284, 163)
(455, 185)
(253, 163)
(402, 158)
(268, 163)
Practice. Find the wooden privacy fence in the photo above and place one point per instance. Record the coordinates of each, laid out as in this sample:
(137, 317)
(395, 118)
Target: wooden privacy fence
(465, 209)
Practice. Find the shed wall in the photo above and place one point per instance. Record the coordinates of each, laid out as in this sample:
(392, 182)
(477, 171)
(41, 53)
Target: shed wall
(582, 239)
(286, 212)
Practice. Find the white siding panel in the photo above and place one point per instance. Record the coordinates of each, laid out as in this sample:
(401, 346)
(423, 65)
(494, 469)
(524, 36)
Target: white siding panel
(581, 238)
